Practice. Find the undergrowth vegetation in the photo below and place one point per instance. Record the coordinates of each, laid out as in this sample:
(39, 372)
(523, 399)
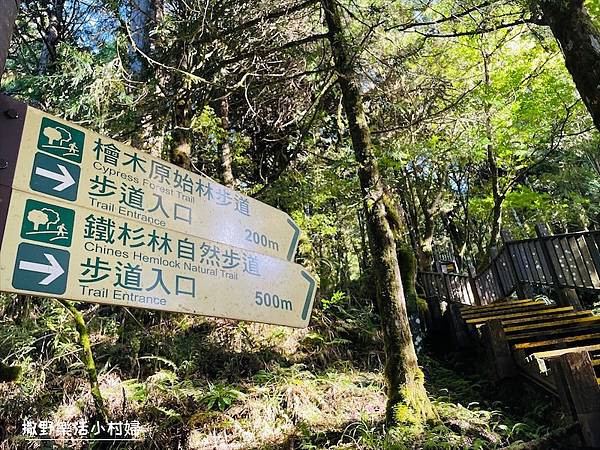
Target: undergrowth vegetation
(204, 383)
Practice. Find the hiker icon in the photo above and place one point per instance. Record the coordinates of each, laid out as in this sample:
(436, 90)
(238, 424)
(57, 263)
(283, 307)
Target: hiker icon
(61, 140)
(61, 231)
(47, 221)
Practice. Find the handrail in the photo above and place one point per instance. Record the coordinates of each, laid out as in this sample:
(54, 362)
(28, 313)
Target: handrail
(565, 261)
(553, 236)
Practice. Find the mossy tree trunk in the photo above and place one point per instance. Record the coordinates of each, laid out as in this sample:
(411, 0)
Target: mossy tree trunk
(180, 151)
(579, 39)
(88, 360)
(224, 145)
(403, 376)
(408, 271)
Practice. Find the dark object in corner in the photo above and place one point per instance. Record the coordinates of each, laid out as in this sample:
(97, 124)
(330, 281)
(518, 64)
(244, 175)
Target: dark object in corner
(9, 374)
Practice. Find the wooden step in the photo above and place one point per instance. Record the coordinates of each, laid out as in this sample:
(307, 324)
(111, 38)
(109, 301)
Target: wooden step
(510, 305)
(546, 318)
(496, 305)
(553, 353)
(583, 329)
(565, 340)
(521, 314)
(503, 307)
(596, 362)
(462, 306)
(533, 307)
(557, 323)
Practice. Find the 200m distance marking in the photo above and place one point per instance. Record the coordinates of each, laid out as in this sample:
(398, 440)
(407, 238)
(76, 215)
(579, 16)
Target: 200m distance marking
(261, 239)
(272, 301)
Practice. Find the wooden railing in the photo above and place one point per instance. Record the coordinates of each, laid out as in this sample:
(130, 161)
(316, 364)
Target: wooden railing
(563, 262)
(573, 259)
(449, 287)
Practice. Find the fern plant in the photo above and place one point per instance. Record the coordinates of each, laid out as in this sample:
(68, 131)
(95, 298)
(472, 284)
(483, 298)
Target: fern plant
(220, 397)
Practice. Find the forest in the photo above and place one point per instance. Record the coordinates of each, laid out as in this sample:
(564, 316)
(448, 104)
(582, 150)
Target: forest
(428, 150)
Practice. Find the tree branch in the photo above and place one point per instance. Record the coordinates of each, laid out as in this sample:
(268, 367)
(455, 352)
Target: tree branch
(267, 51)
(477, 31)
(466, 12)
(274, 15)
(429, 117)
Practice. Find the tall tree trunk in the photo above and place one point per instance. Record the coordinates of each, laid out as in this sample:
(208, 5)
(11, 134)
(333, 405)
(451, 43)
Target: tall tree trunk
(52, 36)
(409, 205)
(425, 249)
(497, 195)
(181, 152)
(457, 236)
(579, 39)
(363, 238)
(341, 249)
(496, 222)
(224, 146)
(406, 212)
(181, 148)
(408, 272)
(404, 378)
(143, 16)
(8, 15)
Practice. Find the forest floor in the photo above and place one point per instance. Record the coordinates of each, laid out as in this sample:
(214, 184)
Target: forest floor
(203, 383)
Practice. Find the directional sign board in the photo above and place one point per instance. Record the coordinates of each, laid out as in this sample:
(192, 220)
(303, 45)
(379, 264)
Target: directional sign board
(76, 253)
(49, 156)
(85, 218)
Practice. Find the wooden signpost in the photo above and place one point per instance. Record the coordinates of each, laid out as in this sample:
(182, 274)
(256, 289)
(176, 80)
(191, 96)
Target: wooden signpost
(83, 217)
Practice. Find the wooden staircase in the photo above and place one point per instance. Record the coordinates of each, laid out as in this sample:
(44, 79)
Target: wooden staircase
(535, 331)
(557, 347)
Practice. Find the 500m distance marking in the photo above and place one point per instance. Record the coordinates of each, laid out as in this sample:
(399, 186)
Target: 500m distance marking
(272, 301)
